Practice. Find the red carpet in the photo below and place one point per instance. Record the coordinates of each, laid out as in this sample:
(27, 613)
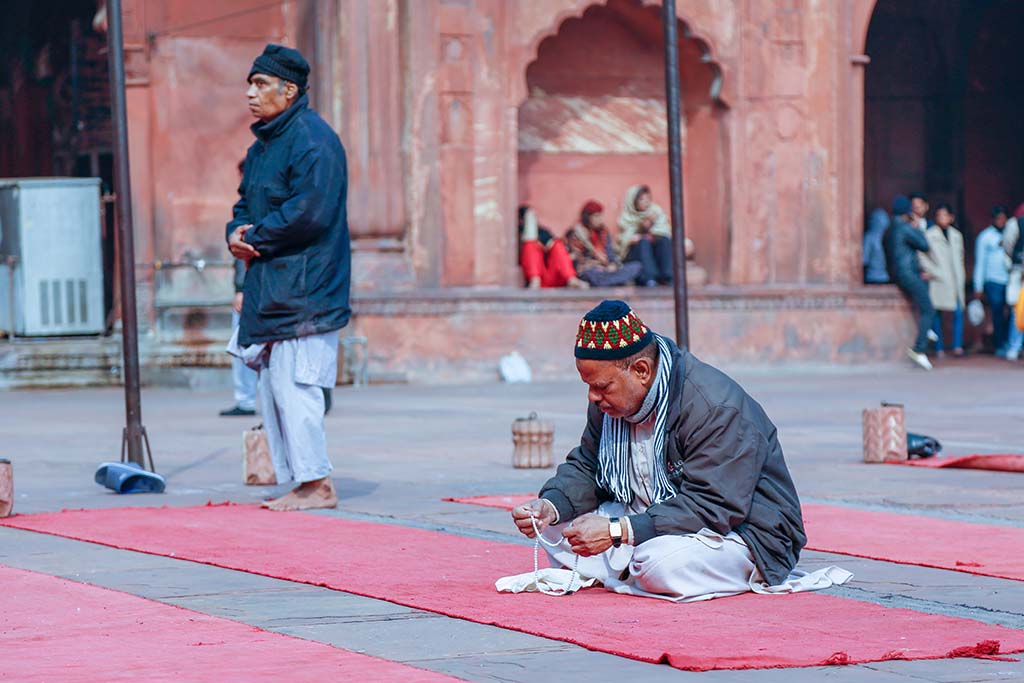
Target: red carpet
(999, 463)
(57, 630)
(454, 575)
(983, 549)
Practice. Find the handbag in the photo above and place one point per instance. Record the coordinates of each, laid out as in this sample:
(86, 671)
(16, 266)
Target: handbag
(885, 433)
(257, 467)
(1018, 313)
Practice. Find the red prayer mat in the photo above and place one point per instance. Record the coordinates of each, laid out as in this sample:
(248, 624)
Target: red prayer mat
(983, 549)
(1004, 462)
(455, 576)
(52, 629)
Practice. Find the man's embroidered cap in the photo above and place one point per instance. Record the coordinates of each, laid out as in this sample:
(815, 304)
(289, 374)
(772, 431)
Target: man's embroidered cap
(611, 331)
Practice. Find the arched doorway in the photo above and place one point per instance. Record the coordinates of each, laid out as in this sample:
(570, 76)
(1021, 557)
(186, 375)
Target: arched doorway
(944, 105)
(593, 124)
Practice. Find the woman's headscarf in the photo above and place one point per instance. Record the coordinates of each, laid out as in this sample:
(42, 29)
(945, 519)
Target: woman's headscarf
(631, 220)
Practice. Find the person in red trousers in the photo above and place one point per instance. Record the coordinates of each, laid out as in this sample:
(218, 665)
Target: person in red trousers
(545, 260)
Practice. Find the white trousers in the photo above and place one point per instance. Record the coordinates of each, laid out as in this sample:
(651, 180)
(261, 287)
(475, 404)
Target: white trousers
(243, 377)
(684, 568)
(292, 404)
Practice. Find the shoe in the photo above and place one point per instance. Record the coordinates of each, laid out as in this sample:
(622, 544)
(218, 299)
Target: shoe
(920, 359)
(237, 411)
(932, 337)
(1012, 355)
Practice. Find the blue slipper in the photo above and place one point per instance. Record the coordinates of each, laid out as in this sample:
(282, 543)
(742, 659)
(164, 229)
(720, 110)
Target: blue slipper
(127, 477)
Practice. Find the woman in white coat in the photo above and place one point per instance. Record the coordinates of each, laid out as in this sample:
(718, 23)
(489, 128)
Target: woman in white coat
(943, 265)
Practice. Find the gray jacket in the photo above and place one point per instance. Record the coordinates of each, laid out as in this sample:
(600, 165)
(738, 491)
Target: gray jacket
(724, 459)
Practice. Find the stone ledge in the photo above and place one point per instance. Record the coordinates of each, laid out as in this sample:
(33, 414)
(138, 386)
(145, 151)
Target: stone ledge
(450, 301)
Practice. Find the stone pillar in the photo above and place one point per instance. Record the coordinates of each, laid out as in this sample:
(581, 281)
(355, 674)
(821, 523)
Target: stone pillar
(364, 57)
(460, 56)
(421, 43)
(787, 219)
(137, 100)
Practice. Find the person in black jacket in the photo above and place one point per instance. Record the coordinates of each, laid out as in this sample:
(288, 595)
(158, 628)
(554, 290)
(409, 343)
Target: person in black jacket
(902, 242)
(290, 227)
(679, 488)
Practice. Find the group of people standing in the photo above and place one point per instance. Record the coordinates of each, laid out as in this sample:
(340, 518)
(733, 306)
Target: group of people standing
(589, 256)
(926, 259)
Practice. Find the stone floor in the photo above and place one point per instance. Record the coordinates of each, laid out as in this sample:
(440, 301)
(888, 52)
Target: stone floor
(399, 449)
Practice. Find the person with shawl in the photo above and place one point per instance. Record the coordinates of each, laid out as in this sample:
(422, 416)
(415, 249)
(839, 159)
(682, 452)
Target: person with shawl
(679, 488)
(590, 245)
(645, 237)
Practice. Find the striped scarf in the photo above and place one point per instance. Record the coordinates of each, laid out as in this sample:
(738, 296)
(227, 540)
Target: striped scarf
(616, 435)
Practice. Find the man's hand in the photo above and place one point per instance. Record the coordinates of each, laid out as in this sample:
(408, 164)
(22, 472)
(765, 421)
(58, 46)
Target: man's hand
(544, 513)
(239, 248)
(925, 275)
(589, 535)
(237, 303)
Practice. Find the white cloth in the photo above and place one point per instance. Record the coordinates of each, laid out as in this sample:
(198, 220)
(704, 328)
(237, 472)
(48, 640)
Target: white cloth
(549, 579)
(292, 376)
(683, 568)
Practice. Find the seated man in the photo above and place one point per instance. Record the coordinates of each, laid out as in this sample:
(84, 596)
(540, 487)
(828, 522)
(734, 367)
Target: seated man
(678, 489)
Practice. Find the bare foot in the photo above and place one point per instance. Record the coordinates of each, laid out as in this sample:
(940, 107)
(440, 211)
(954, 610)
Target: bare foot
(311, 495)
(577, 283)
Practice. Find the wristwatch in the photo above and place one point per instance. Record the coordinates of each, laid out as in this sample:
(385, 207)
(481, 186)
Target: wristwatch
(615, 530)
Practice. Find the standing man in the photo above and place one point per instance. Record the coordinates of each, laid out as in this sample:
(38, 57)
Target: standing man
(991, 274)
(919, 209)
(902, 241)
(291, 229)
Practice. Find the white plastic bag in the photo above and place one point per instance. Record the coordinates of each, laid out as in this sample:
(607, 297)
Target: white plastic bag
(975, 312)
(514, 369)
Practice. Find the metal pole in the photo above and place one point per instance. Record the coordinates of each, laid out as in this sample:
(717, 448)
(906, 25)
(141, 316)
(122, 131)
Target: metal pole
(134, 431)
(675, 171)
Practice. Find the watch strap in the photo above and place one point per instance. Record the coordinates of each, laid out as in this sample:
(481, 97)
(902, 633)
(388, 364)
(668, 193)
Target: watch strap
(615, 531)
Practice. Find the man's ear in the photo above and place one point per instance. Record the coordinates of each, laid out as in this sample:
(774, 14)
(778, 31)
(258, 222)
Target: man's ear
(643, 369)
(291, 91)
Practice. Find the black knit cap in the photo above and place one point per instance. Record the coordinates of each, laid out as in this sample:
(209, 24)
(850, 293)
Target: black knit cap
(611, 331)
(283, 62)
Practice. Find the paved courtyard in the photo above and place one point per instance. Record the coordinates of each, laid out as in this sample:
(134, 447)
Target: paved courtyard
(398, 450)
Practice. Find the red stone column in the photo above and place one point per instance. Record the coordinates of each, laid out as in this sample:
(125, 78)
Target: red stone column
(139, 111)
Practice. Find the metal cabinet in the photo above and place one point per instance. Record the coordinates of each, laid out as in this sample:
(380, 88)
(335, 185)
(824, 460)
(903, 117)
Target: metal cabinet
(51, 262)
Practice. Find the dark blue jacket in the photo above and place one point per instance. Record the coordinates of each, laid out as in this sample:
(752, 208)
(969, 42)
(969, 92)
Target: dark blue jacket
(293, 192)
(902, 241)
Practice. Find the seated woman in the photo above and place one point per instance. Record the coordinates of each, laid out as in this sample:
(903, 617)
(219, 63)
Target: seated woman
(645, 237)
(545, 260)
(590, 246)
